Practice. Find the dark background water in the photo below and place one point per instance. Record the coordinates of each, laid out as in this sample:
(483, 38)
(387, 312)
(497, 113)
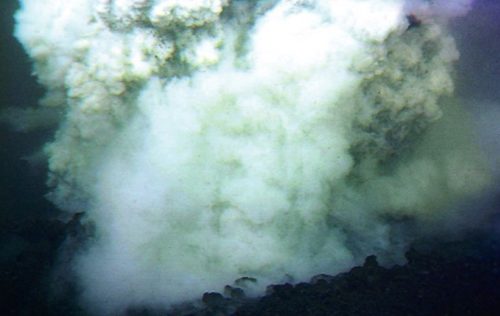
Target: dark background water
(29, 238)
(478, 38)
(478, 84)
(22, 188)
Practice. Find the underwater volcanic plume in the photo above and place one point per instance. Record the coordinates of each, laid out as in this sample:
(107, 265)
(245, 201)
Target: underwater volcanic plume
(212, 140)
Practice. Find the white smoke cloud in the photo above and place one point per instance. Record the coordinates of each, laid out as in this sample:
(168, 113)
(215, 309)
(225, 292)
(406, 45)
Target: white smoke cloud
(210, 140)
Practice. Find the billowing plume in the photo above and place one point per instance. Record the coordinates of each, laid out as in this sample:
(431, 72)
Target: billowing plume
(213, 139)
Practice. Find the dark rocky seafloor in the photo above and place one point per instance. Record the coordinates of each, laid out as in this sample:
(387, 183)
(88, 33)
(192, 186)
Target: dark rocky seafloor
(460, 277)
(455, 278)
